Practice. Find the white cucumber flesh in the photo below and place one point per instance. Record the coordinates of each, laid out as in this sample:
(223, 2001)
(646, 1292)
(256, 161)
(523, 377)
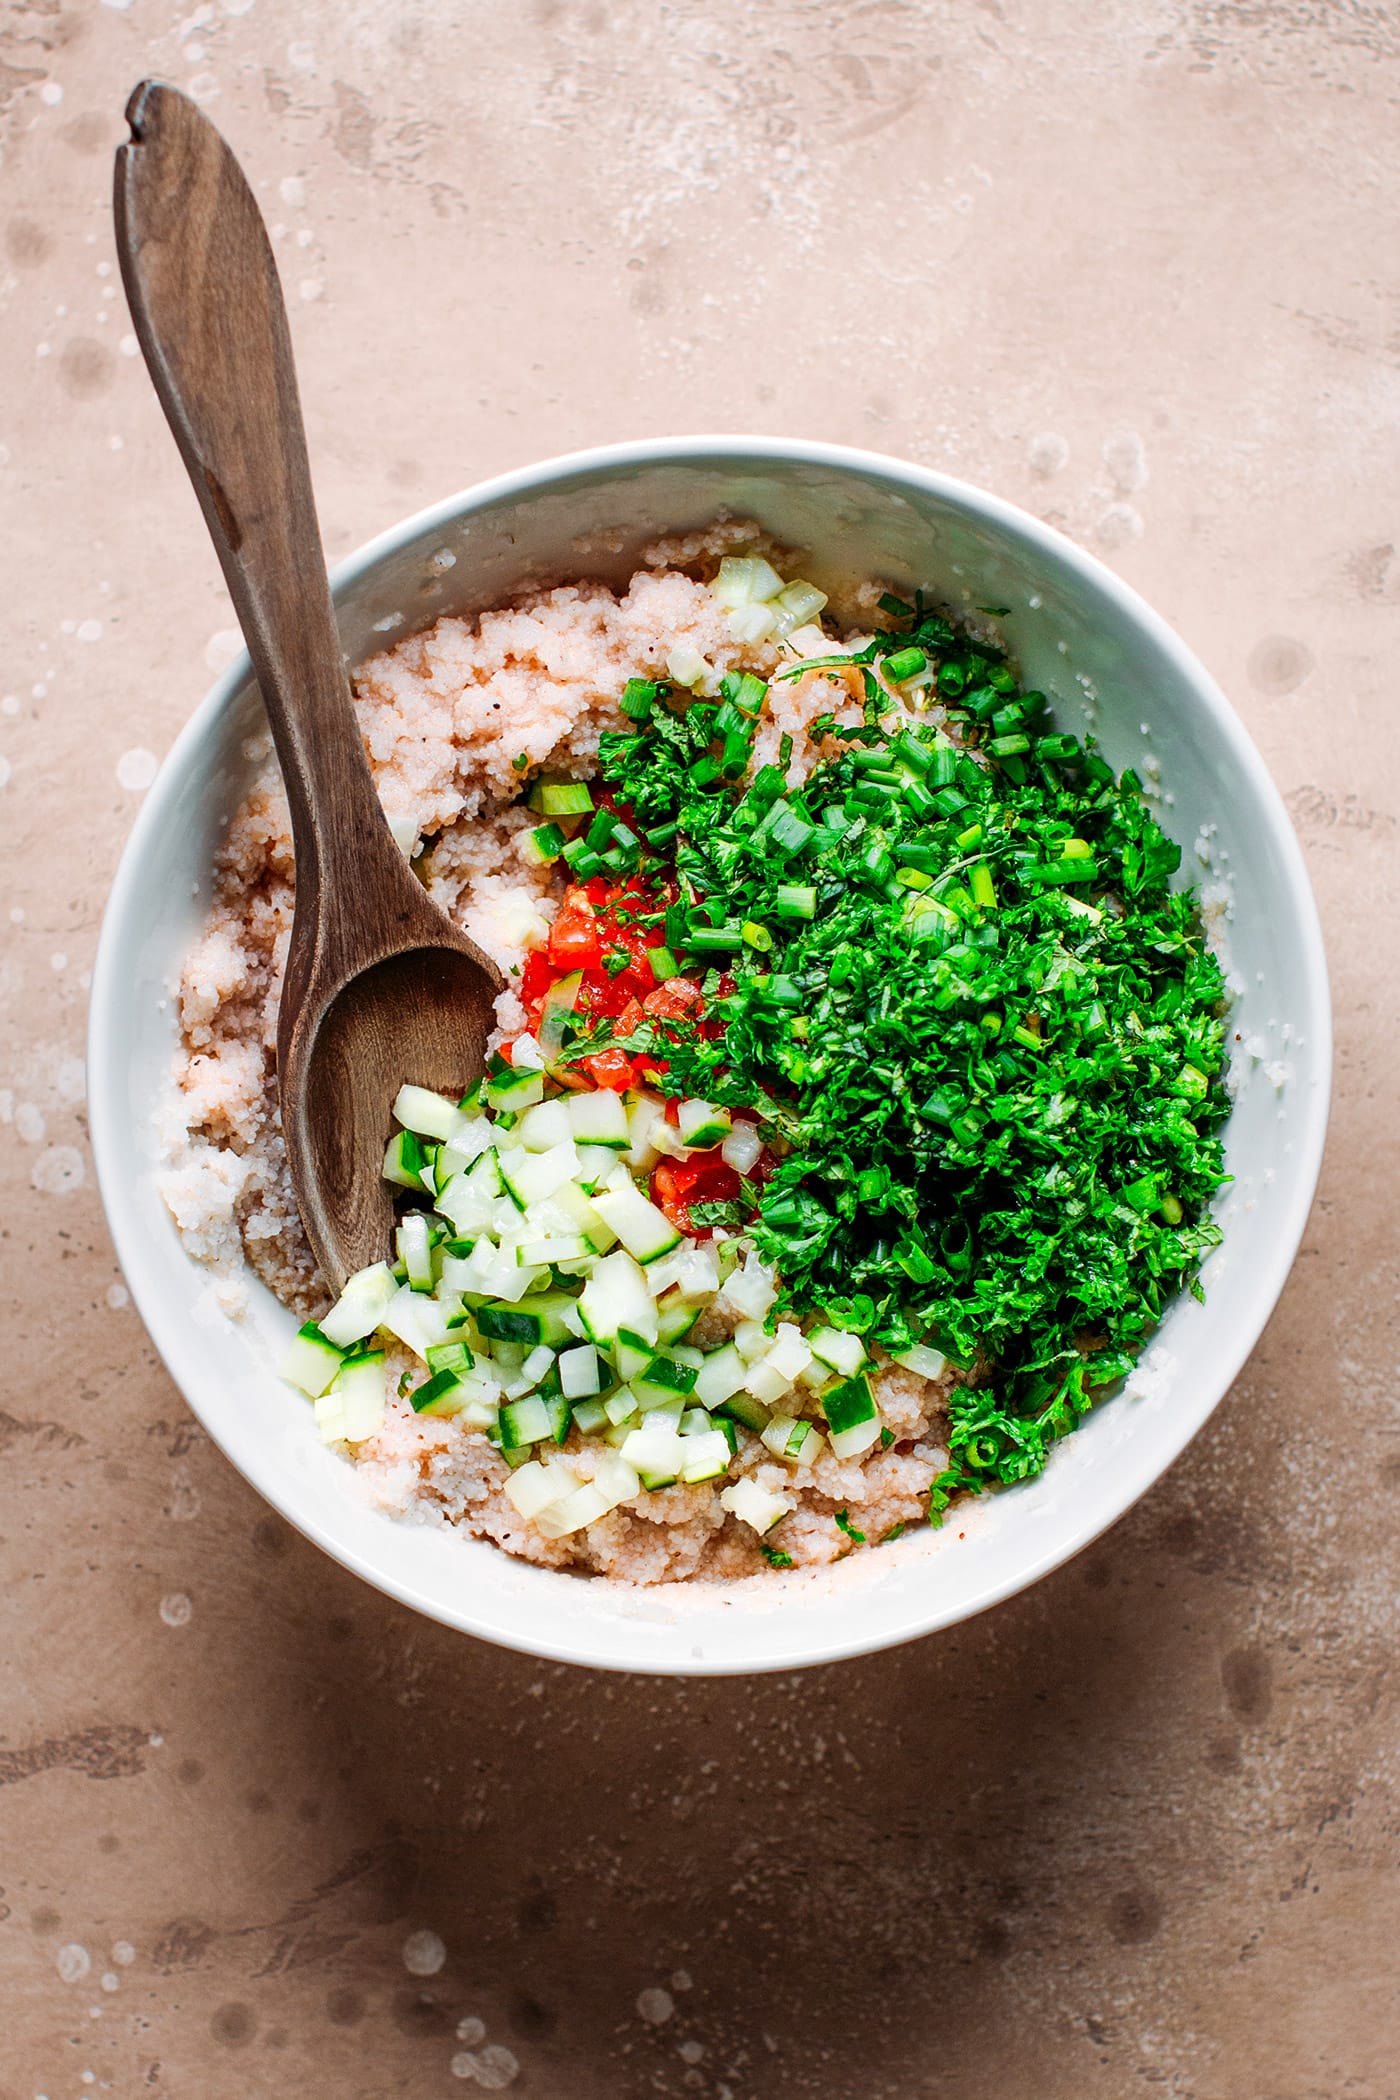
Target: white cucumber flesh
(310, 1362)
(360, 1306)
(644, 1231)
(425, 1114)
(598, 1118)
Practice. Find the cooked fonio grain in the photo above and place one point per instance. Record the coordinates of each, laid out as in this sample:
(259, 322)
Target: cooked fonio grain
(839, 986)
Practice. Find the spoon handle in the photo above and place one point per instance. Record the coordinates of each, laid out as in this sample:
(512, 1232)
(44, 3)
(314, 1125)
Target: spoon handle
(205, 298)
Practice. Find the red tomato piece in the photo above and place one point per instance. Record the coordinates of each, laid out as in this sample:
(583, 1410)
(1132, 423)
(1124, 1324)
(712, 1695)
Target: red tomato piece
(537, 976)
(676, 997)
(667, 1196)
(706, 1181)
(611, 1070)
(573, 938)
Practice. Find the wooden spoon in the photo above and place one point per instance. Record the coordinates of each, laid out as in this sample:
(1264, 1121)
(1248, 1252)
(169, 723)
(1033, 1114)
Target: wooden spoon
(380, 987)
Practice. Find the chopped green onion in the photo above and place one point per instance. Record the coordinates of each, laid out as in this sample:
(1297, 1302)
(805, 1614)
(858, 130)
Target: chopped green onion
(714, 940)
(983, 888)
(795, 900)
(638, 698)
(547, 841)
(905, 663)
(560, 798)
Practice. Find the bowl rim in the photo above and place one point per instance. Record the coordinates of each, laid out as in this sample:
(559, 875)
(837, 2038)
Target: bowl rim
(900, 1624)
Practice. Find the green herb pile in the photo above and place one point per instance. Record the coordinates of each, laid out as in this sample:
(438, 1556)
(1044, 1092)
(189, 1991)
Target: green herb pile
(967, 1001)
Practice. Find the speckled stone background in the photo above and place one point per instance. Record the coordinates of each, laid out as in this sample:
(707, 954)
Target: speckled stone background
(1131, 263)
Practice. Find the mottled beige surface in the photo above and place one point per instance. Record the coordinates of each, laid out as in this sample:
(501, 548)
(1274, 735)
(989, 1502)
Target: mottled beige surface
(1132, 264)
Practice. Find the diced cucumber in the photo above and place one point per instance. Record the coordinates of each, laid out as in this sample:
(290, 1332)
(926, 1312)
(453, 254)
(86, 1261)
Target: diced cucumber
(692, 1268)
(788, 1351)
(751, 1289)
(404, 1161)
(658, 1452)
(442, 1394)
(427, 1114)
(852, 1418)
(662, 1382)
(744, 1408)
(621, 1406)
(514, 1089)
(924, 1362)
(613, 1477)
(644, 1231)
(595, 1162)
(590, 1417)
(579, 1373)
(702, 1125)
(845, 1353)
(798, 1442)
(469, 1197)
(695, 1421)
(545, 1125)
(584, 1506)
(537, 1485)
(417, 1320)
(530, 1177)
(598, 1119)
(559, 1314)
(415, 1250)
(646, 1122)
(527, 1421)
(631, 1354)
(359, 1389)
(450, 1356)
(706, 1456)
(616, 1297)
(766, 1382)
(753, 1505)
(311, 1362)
(564, 1249)
(674, 1319)
(360, 1306)
(720, 1376)
(537, 1365)
(511, 1323)
(570, 1210)
(330, 1418)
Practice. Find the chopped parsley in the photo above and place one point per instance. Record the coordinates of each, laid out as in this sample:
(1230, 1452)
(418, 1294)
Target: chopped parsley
(843, 1523)
(979, 1028)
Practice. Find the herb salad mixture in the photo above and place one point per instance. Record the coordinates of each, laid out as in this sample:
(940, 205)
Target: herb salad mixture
(904, 1061)
(949, 977)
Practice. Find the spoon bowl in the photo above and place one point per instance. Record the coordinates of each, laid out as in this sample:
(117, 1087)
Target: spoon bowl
(423, 1014)
(380, 986)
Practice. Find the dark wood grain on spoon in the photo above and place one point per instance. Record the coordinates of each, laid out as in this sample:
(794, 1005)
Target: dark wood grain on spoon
(380, 986)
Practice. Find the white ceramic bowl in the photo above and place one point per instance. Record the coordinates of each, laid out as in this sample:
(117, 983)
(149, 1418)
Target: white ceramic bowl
(1109, 663)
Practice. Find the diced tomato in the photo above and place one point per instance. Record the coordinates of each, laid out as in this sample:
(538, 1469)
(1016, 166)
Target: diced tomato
(537, 976)
(667, 1197)
(573, 938)
(676, 997)
(706, 1180)
(676, 1184)
(673, 1111)
(610, 1069)
(506, 1056)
